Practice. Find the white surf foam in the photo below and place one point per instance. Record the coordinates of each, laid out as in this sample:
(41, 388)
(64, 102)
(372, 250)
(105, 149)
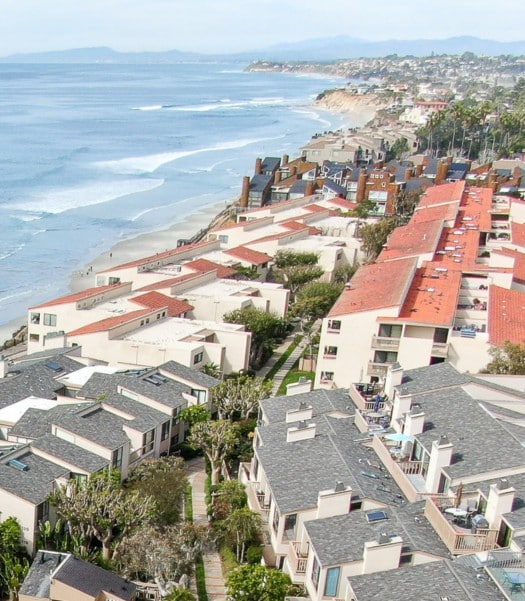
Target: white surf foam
(227, 104)
(12, 252)
(152, 107)
(59, 200)
(149, 163)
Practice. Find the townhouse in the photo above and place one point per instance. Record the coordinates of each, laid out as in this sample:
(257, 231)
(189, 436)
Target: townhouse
(377, 484)
(446, 286)
(84, 421)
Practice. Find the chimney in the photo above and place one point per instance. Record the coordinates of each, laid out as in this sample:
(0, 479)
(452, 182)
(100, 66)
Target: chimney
(3, 367)
(335, 501)
(285, 159)
(302, 431)
(258, 166)
(382, 554)
(414, 421)
(440, 457)
(394, 377)
(500, 501)
(309, 188)
(361, 185)
(245, 191)
(419, 170)
(409, 173)
(277, 176)
(293, 170)
(442, 172)
(303, 413)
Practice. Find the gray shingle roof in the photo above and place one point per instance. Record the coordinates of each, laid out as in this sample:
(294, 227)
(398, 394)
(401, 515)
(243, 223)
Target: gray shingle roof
(37, 422)
(297, 471)
(475, 435)
(423, 379)
(91, 580)
(192, 377)
(322, 401)
(34, 484)
(37, 583)
(100, 426)
(340, 539)
(427, 582)
(70, 453)
(144, 418)
(34, 378)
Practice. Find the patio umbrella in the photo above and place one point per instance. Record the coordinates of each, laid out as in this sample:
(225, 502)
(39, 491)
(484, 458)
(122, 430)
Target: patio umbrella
(399, 437)
(459, 494)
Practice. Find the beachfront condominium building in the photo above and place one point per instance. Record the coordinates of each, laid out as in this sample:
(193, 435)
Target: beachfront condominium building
(447, 286)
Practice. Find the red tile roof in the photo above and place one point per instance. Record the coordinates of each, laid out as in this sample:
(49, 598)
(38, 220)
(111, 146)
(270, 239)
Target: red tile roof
(518, 270)
(109, 323)
(250, 256)
(445, 212)
(347, 205)
(444, 193)
(412, 240)
(78, 296)
(204, 266)
(157, 257)
(506, 315)
(298, 226)
(518, 234)
(376, 286)
(433, 296)
(313, 208)
(169, 282)
(156, 300)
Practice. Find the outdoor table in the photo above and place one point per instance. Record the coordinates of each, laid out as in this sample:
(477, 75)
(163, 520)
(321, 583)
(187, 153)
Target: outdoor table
(515, 579)
(456, 512)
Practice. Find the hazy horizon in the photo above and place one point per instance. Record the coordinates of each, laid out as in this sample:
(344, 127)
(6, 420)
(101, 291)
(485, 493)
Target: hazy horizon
(207, 26)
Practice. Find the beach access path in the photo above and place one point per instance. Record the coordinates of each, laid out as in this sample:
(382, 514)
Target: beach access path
(212, 562)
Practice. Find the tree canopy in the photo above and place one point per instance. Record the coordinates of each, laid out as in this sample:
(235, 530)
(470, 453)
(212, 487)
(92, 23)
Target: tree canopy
(375, 235)
(101, 508)
(240, 396)
(315, 299)
(254, 582)
(507, 359)
(216, 439)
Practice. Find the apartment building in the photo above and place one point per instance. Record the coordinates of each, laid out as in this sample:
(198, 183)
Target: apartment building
(438, 291)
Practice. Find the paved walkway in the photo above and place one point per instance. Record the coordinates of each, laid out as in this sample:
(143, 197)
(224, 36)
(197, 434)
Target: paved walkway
(212, 561)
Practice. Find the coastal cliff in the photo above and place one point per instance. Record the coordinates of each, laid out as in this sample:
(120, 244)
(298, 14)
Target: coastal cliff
(363, 107)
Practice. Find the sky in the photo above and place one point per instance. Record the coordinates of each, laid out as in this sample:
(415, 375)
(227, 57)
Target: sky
(216, 26)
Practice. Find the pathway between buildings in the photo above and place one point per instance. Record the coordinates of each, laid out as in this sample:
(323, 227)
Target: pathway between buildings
(212, 561)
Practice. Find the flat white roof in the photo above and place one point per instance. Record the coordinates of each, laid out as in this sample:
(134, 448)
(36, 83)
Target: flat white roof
(12, 413)
(82, 375)
(222, 288)
(175, 330)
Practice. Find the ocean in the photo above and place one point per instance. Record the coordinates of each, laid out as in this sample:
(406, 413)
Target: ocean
(98, 153)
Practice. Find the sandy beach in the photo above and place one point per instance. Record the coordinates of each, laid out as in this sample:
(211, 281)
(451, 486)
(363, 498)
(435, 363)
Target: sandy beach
(131, 249)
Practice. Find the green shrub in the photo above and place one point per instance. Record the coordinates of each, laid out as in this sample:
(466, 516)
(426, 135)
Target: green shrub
(254, 554)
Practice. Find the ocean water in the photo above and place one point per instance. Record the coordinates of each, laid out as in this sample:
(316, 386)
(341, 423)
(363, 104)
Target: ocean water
(93, 154)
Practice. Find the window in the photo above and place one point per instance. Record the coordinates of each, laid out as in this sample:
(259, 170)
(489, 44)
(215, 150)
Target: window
(223, 239)
(42, 513)
(148, 441)
(113, 280)
(200, 395)
(35, 318)
(34, 337)
(327, 376)
(332, 582)
(387, 330)
(197, 358)
(316, 570)
(116, 458)
(385, 357)
(289, 525)
(50, 319)
(275, 521)
(330, 351)
(334, 324)
(166, 427)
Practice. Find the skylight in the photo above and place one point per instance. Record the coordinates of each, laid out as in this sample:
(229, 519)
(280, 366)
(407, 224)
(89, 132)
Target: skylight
(376, 516)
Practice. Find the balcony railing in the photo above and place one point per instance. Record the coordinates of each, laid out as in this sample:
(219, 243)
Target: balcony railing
(459, 541)
(381, 342)
(298, 555)
(440, 349)
(377, 369)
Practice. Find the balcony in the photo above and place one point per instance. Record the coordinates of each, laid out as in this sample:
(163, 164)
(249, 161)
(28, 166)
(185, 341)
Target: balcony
(389, 344)
(298, 557)
(377, 369)
(459, 540)
(503, 567)
(440, 349)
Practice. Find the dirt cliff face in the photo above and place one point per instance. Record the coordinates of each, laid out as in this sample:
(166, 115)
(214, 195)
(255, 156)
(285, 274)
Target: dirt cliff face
(363, 107)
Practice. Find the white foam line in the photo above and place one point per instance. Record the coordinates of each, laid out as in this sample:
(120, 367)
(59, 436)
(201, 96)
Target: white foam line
(149, 163)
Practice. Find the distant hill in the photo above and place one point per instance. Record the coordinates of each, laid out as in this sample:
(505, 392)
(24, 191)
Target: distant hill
(321, 49)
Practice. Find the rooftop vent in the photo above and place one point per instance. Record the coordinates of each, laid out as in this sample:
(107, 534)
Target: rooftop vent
(383, 538)
(339, 486)
(19, 465)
